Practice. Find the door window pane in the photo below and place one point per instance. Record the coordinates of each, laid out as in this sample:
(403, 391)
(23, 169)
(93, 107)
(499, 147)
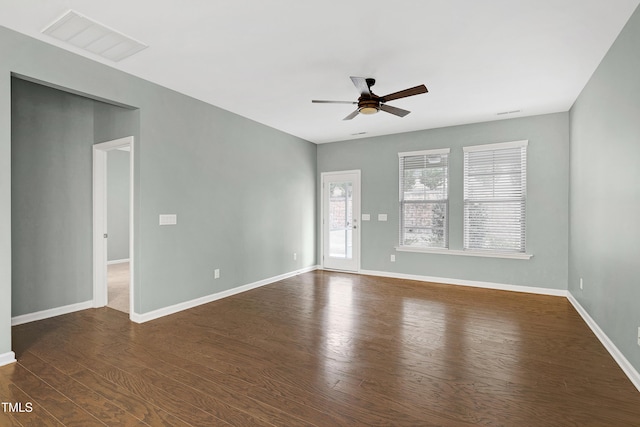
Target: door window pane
(341, 220)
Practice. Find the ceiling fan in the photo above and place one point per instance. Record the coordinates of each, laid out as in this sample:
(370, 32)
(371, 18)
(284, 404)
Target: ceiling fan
(370, 103)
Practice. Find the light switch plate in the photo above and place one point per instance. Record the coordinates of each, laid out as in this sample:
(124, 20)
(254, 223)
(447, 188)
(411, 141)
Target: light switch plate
(168, 219)
(382, 217)
(366, 217)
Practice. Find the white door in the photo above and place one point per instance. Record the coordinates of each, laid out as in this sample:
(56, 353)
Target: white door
(340, 225)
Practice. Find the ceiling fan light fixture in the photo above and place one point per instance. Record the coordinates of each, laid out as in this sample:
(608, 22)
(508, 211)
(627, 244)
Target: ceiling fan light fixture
(368, 110)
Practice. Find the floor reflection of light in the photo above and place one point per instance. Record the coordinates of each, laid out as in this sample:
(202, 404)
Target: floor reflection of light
(422, 341)
(454, 343)
(422, 337)
(487, 331)
(338, 326)
(446, 342)
(423, 325)
(339, 317)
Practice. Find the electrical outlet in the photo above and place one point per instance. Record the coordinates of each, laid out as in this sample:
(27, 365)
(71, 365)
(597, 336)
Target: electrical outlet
(393, 258)
(581, 284)
(216, 273)
(295, 256)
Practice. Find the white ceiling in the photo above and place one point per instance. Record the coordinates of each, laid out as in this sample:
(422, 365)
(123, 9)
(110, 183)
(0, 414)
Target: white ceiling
(266, 60)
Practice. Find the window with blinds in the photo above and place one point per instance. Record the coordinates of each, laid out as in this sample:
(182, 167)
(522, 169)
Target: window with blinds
(495, 183)
(424, 198)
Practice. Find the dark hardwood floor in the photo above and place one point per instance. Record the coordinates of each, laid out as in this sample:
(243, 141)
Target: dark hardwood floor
(323, 349)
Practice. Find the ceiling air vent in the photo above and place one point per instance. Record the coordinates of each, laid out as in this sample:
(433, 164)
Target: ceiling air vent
(93, 37)
(508, 112)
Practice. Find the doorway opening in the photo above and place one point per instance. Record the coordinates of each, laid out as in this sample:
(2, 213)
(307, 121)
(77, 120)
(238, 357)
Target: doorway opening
(53, 130)
(113, 260)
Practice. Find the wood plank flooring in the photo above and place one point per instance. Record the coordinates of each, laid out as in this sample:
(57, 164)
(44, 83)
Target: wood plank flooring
(118, 286)
(323, 349)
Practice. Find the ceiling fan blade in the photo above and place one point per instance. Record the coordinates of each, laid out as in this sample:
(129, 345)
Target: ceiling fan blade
(315, 101)
(394, 110)
(361, 84)
(404, 93)
(352, 115)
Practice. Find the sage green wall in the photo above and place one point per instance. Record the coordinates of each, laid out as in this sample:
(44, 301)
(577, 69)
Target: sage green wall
(547, 199)
(244, 193)
(52, 134)
(118, 205)
(604, 242)
(113, 122)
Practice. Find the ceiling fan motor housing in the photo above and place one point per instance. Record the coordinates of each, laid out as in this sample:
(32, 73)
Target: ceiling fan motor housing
(368, 105)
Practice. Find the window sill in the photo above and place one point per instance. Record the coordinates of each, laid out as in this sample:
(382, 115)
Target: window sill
(464, 253)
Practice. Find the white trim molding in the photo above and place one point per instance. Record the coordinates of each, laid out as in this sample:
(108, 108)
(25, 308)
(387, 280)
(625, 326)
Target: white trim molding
(7, 358)
(472, 283)
(425, 152)
(496, 146)
(161, 312)
(52, 312)
(118, 261)
(625, 365)
(486, 254)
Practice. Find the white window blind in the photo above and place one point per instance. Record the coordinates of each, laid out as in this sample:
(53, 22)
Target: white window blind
(495, 182)
(424, 198)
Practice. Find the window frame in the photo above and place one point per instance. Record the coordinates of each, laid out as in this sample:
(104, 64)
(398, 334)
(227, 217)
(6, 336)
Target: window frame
(521, 250)
(402, 202)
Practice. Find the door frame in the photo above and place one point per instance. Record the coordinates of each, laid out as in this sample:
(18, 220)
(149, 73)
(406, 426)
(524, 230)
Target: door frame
(100, 150)
(356, 214)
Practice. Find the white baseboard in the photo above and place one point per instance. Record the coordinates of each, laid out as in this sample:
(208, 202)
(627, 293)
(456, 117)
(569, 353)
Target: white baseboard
(118, 261)
(617, 355)
(155, 314)
(7, 358)
(472, 283)
(52, 312)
